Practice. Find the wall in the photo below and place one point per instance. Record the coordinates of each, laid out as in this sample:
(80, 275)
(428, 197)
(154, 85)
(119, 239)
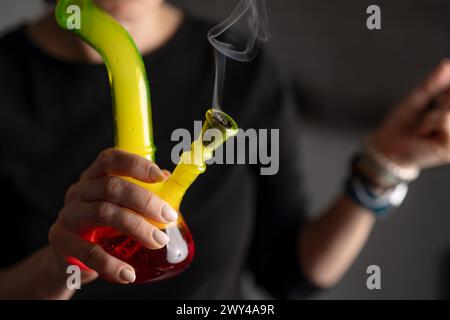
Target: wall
(347, 78)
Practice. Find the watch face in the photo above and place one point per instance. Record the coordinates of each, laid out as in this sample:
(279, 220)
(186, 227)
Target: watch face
(398, 194)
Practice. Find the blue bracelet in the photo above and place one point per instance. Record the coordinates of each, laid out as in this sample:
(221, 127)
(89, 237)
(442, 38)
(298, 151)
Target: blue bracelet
(357, 190)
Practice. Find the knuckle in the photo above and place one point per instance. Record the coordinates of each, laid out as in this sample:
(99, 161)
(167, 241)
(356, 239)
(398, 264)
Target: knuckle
(57, 238)
(89, 252)
(141, 226)
(104, 211)
(53, 235)
(71, 193)
(148, 199)
(113, 186)
(106, 156)
(134, 162)
(66, 216)
(86, 175)
(64, 212)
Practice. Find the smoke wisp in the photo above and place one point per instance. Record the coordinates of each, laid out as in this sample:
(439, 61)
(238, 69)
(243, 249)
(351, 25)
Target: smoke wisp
(250, 15)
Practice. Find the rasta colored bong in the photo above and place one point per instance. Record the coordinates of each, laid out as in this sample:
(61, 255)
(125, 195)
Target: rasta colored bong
(134, 133)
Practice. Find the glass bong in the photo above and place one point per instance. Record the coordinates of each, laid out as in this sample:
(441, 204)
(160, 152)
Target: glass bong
(151, 265)
(134, 133)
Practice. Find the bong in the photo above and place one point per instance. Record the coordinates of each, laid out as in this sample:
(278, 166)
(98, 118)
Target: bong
(134, 133)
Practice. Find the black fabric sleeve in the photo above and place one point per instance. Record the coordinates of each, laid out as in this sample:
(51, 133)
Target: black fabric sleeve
(281, 202)
(15, 229)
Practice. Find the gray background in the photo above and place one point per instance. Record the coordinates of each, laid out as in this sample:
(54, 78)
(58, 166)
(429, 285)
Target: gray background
(347, 78)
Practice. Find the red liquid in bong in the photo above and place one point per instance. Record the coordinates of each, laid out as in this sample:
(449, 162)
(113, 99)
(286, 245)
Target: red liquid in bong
(150, 265)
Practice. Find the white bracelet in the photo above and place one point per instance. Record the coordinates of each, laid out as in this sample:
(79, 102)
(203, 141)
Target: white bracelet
(402, 173)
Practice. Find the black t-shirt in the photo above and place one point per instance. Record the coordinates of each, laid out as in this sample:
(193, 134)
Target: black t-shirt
(55, 117)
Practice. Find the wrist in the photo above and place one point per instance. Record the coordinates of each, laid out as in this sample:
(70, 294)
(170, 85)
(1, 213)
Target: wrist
(52, 269)
(36, 277)
(377, 183)
(377, 166)
(395, 153)
(380, 201)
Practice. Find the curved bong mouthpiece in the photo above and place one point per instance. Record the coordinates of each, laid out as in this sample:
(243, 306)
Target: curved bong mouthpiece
(127, 74)
(134, 133)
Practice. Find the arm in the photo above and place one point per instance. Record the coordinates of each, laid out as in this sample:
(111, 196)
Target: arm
(329, 245)
(414, 135)
(39, 276)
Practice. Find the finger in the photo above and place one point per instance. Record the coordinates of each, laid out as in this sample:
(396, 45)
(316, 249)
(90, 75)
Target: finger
(436, 122)
(444, 128)
(437, 83)
(443, 102)
(92, 255)
(108, 214)
(166, 173)
(430, 122)
(128, 195)
(121, 163)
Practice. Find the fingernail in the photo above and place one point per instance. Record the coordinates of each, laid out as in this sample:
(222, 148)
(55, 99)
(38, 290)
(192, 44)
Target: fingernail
(160, 237)
(127, 275)
(169, 214)
(156, 173)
